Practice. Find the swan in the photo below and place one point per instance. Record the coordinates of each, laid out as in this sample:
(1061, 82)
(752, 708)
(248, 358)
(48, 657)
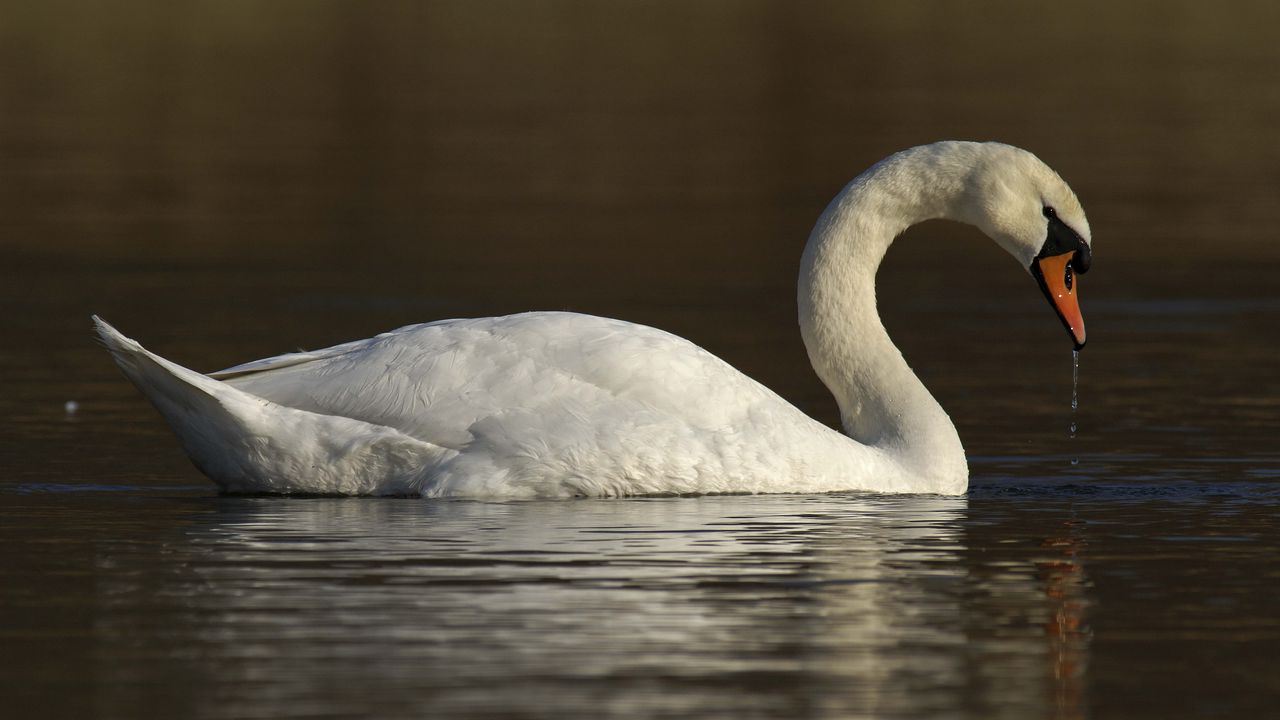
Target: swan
(558, 404)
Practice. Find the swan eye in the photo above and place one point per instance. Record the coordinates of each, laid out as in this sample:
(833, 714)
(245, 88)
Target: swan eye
(1049, 212)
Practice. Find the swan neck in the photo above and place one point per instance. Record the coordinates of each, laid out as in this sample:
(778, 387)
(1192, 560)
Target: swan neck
(882, 402)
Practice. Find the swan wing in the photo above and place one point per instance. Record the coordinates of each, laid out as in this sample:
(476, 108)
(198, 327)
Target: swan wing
(554, 404)
(290, 359)
(437, 381)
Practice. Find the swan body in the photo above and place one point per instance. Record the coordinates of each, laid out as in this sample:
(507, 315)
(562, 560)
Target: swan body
(552, 404)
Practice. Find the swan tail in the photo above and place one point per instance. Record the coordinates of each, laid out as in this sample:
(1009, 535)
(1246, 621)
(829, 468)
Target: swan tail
(246, 443)
(174, 390)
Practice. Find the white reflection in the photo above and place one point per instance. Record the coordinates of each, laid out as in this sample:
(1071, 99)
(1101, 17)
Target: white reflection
(800, 606)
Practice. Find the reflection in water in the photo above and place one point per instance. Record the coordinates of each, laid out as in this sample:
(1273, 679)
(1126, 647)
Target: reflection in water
(826, 606)
(1067, 630)
(774, 606)
(815, 606)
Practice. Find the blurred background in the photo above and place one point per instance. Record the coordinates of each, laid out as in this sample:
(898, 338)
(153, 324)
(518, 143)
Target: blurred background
(231, 179)
(226, 180)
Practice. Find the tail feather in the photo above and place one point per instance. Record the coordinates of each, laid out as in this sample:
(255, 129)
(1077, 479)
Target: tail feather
(167, 385)
(246, 443)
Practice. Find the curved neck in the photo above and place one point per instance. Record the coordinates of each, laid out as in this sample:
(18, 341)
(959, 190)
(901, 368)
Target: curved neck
(882, 403)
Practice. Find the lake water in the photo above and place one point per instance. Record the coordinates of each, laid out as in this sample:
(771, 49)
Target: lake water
(228, 181)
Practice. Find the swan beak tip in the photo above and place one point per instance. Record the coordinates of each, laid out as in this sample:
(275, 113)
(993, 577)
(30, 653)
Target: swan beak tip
(1057, 278)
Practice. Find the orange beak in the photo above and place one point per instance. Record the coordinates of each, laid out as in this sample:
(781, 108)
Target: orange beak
(1058, 281)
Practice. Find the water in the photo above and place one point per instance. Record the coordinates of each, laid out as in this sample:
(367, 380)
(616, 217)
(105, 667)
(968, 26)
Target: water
(1022, 599)
(230, 181)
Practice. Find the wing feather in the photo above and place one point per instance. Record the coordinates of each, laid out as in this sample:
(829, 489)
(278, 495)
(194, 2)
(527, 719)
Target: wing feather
(441, 381)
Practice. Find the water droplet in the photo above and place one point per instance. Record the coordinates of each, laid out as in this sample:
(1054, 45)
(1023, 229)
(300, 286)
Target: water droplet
(1075, 400)
(1075, 379)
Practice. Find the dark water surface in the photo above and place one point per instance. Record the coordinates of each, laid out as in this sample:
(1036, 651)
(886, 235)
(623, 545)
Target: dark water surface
(226, 181)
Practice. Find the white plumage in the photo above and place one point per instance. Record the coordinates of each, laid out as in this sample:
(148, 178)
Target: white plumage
(550, 404)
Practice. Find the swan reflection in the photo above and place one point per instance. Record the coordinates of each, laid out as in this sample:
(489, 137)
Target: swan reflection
(818, 606)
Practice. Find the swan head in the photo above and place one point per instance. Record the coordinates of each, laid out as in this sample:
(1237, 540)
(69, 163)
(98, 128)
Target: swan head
(1030, 211)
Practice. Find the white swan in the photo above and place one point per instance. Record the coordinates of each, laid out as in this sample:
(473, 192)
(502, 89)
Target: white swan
(550, 404)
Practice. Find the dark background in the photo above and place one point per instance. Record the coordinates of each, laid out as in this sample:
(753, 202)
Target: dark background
(230, 180)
